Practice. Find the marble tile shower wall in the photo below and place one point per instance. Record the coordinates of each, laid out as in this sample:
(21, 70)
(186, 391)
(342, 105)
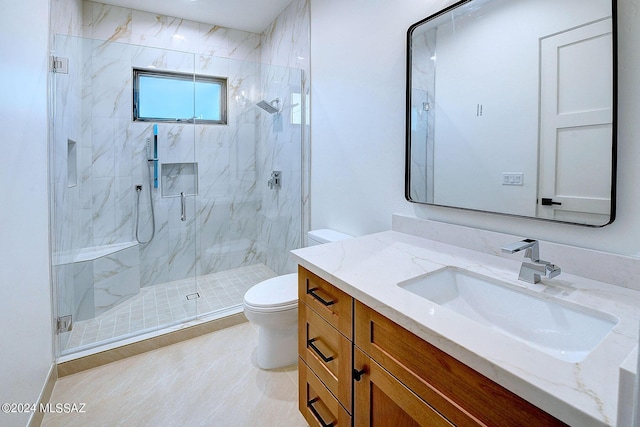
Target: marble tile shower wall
(226, 208)
(283, 221)
(422, 118)
(233, 207)
(279, 220)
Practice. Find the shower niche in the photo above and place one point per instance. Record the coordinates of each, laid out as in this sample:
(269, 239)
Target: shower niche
(179, 179)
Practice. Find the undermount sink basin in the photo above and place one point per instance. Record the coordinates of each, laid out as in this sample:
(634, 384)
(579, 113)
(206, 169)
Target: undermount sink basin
(561, 330)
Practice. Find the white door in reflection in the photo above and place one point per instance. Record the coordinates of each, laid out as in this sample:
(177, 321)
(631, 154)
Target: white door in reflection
(576, 98)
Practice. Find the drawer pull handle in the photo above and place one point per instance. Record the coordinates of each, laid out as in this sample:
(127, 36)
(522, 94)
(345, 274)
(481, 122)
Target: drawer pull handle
(318, 352)
(357, 375)
(323, 301)
(317, 414)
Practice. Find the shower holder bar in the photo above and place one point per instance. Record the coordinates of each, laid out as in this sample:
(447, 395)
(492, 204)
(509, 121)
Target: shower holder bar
(183, 207)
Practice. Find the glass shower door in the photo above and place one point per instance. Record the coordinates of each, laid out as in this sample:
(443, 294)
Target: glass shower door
(160, 221)
(247, 227)
(123, 239)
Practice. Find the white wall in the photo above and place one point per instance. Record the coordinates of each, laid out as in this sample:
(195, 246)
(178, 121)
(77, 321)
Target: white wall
(357, 172)
(357, 111)
(25, 306)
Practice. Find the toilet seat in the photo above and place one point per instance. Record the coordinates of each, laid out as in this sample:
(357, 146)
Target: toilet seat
(276, 294)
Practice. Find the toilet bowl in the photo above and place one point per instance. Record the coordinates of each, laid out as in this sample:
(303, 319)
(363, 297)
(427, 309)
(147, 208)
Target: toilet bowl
(272, 305)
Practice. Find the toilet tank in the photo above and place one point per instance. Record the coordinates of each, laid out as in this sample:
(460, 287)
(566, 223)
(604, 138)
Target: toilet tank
(325, 235)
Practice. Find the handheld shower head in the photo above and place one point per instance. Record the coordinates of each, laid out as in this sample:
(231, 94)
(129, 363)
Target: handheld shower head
(270, 107)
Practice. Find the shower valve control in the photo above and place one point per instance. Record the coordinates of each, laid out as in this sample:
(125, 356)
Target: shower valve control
(276, 180)
(149, 149)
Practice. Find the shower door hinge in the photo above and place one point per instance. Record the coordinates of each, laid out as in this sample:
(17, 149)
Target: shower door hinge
(59, 65)
(65, 324)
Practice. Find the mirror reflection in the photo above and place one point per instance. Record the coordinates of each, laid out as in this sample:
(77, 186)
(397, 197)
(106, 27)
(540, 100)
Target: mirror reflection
(511, 109)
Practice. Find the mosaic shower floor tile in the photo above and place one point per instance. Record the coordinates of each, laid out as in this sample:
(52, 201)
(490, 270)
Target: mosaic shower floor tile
(169, 303)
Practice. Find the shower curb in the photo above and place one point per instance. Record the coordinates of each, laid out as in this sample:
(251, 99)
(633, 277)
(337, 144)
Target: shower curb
(94, 360)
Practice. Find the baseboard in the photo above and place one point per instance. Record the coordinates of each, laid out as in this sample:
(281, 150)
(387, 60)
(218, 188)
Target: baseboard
(133, 349)
(45, 396)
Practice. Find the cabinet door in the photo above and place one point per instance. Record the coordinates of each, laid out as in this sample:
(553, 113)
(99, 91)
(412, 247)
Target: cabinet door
(461, 394)
(381, 400)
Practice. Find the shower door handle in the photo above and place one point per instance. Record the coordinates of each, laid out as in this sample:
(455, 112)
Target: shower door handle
(183, 206)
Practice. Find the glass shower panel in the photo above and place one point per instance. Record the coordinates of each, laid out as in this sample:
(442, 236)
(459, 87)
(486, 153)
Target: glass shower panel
(229, 201)
(280, 150)
(124, 256)
(128, 196)
(247, 228)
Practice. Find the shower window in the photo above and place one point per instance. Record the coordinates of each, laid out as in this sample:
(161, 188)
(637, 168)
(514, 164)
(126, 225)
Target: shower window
(177, 97)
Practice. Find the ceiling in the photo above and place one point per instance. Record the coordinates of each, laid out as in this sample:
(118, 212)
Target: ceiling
(247, 15)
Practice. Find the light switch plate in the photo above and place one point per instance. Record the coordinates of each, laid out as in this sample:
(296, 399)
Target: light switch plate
(512, 178)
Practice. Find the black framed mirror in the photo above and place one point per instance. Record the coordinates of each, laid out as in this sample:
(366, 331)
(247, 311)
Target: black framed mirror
(511, 108)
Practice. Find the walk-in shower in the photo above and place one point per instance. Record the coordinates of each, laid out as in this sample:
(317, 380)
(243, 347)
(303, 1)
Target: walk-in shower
(141, 244)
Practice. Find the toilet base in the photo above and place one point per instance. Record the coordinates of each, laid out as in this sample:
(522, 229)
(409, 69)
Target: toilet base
(277, 347)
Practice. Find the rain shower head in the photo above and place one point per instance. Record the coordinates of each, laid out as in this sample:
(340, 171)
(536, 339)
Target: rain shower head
(270, 107)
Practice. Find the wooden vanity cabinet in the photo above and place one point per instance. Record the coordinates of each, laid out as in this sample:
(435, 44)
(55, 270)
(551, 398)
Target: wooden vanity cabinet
(359, 368)
(381, 400)
(325, 348)
(461, 395)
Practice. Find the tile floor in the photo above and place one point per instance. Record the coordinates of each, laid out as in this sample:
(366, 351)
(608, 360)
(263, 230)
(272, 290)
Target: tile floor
(212, 380)
(166, 304)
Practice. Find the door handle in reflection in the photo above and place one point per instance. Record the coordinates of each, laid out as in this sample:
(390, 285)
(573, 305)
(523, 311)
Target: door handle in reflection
(183, 206)
(548, 202)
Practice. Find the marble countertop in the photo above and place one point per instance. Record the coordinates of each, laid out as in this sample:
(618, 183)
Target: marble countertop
(580, 394)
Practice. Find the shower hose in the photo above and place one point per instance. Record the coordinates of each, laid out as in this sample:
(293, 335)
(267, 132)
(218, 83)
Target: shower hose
(153, 217)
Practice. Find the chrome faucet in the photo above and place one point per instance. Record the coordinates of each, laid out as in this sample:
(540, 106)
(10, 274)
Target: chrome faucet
(276, 180)
(531, 271)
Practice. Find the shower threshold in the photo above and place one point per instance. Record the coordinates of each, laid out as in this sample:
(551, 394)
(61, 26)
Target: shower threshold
(163, 308)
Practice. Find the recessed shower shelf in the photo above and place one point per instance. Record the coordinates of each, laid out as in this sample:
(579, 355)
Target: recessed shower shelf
(177, 178)
(72, 164)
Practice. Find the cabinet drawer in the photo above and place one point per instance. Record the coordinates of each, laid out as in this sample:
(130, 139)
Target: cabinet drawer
(461, 394)
(333, 305)
(382, 400)
(327, 352)
(316, 403)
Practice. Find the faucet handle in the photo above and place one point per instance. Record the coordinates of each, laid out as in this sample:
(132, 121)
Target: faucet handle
(531, 271)
(553, 270)
(531, 247)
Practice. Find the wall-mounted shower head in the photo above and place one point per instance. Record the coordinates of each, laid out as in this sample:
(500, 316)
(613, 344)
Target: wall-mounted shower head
(270, 107)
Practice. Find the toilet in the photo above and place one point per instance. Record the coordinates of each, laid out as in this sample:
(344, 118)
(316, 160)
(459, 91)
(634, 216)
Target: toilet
(272, 305)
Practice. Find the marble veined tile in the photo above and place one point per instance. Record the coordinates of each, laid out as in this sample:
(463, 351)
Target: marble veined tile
(213, 40)
(160, 31)
(110, 23)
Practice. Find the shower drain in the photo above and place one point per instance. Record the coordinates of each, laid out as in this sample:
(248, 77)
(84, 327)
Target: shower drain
(193, 296)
